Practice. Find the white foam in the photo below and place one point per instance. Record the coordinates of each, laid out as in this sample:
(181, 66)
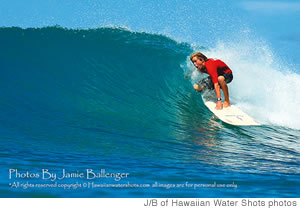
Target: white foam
(263, 86)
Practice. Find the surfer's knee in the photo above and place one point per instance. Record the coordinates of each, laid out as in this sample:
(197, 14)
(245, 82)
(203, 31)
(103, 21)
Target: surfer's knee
(221, 79)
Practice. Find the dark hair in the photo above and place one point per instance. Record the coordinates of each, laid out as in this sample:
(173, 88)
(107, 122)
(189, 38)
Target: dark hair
(198, 55)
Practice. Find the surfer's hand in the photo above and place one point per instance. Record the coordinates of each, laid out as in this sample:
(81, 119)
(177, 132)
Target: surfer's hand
(219, 105)
(198, 88)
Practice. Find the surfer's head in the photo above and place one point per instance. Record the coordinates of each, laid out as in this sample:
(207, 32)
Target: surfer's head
(198, 60)
(199, 55)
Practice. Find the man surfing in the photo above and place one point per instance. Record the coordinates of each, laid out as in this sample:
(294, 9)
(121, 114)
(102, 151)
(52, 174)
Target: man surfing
(219, 75)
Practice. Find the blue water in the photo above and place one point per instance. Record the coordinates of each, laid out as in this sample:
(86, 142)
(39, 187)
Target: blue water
(118, 100)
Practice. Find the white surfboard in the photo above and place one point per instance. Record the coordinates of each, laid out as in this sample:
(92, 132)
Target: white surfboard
(231, 115)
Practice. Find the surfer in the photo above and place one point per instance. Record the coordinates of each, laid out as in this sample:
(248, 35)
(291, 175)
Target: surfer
(219, 75)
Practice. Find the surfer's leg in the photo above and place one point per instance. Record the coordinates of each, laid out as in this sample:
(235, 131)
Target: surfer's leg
(223, 84)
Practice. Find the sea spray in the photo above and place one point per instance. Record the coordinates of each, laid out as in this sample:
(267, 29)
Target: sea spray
(264, 85)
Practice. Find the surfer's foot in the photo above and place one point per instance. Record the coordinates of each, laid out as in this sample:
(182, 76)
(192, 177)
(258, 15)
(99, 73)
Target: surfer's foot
(226, 104)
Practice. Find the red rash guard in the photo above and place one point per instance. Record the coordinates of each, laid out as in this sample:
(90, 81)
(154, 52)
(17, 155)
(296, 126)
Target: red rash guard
(215, 68)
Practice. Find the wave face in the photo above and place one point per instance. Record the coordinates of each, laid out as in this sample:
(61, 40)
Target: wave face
(114, 79)
(113, 99)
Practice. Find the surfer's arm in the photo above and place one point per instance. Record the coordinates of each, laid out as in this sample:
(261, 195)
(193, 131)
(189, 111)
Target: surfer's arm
(219, 105)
